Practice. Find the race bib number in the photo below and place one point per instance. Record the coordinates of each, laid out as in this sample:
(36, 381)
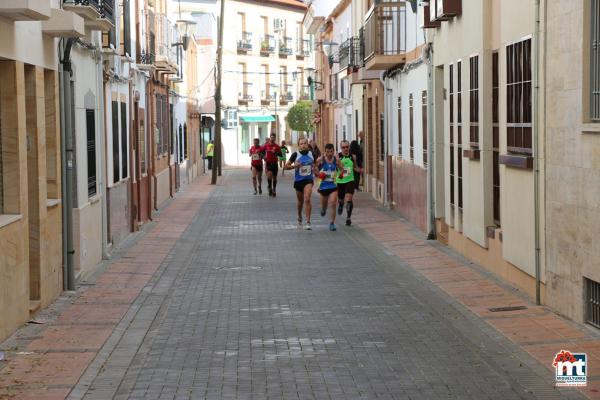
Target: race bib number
(347, 171)
(255, 157)
(305, 170)
(329, 177)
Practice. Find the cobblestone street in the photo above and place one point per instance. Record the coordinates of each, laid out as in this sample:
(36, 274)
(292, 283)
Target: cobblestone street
(245, 305)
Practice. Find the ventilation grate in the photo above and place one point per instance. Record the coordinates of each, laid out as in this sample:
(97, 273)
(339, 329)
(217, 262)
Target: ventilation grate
(509, 308)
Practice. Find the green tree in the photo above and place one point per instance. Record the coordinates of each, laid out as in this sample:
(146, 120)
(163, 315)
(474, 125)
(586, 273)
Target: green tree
(300, 116)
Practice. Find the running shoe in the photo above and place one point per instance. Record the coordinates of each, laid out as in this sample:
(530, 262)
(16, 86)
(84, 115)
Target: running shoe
(308, 227)
(332, 227)
(274, 194)
(259, 190)
(323, 212)
(299, 223)
(270, 192)
(255, 192)
(348, 222)
(340, 209)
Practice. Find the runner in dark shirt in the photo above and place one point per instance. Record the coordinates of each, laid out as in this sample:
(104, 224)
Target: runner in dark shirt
(272, 154)
(256, 156)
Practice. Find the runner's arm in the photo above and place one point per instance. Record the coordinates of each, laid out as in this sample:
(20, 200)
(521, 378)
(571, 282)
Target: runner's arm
(357, 168)
(290, 163)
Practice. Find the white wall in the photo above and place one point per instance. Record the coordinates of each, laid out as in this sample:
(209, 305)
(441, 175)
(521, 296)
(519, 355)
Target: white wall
(414, 82)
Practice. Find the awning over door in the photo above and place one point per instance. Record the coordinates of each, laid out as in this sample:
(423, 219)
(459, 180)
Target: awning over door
(257, 118)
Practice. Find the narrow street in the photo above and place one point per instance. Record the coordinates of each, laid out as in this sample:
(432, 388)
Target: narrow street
(244, 305)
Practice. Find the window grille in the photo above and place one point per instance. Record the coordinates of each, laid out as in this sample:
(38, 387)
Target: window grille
(400, 127)
(451, 125)
(411, 128)
(496, 135)
(592, 302)
(595, 61)
(474, 101)
(424, 125)
(90, 122)
(459, 134)
(518, 98)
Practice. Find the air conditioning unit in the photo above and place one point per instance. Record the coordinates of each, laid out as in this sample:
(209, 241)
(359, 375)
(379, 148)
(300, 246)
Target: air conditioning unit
(278, 24)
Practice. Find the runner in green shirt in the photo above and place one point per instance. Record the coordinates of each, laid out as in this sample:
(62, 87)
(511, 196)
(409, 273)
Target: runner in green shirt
(283, 157)
(345, 180)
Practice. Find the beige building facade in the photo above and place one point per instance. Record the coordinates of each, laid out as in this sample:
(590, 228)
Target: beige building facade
(30, 158)
(573, 159)
(487, 191)
(266, 52)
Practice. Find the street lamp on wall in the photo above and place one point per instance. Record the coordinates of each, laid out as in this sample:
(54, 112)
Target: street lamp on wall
(184, 26)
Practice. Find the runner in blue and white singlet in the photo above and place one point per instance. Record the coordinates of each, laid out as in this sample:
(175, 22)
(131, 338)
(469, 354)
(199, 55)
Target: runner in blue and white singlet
(303, 163)
(327, 165)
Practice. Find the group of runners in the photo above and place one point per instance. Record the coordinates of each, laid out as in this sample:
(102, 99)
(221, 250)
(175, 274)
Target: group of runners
(273, 156)
(335, 174)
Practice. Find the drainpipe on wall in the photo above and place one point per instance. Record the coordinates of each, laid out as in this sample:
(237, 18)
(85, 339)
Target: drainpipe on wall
(431, 147)
(536, 159)
(100, 100)
(384, 127)
(67, 164)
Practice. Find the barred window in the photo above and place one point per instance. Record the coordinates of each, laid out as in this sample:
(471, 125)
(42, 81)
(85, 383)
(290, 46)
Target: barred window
(1, 168)
(459, 134)
(518, 98)
(496, 136)
(90, 123)
(424, 124)
(115, 141)
(451, 169)
(595, 61)
(411, 128)
(474, 101)
(400, 127)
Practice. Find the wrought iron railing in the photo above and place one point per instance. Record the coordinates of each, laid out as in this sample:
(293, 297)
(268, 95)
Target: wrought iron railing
(385, 30)
(285, 46)
(349, 53)
(268, 44)
(245, 43)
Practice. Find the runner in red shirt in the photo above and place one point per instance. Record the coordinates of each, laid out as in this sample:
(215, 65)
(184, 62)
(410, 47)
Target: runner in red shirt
(272, 154)
(256, 156)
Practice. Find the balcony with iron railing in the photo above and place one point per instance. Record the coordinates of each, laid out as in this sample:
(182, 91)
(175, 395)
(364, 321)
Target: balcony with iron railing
(385, 36)
(303, 48)
(285, 47)
(304, 93)
(147, 53)
(267, 96)
(97, 14)
(267, 45)
(166, 35)
(349, 54)
(244, 44)
(287, 94)
(244, 96)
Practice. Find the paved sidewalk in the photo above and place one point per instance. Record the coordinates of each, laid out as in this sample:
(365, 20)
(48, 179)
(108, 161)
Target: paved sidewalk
(46, 361)
(225, 298)
(536, 329)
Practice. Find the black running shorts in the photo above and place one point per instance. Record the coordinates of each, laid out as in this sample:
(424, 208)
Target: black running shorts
(299, 186)
(344, 188)
(327, 192)
(273, 167)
